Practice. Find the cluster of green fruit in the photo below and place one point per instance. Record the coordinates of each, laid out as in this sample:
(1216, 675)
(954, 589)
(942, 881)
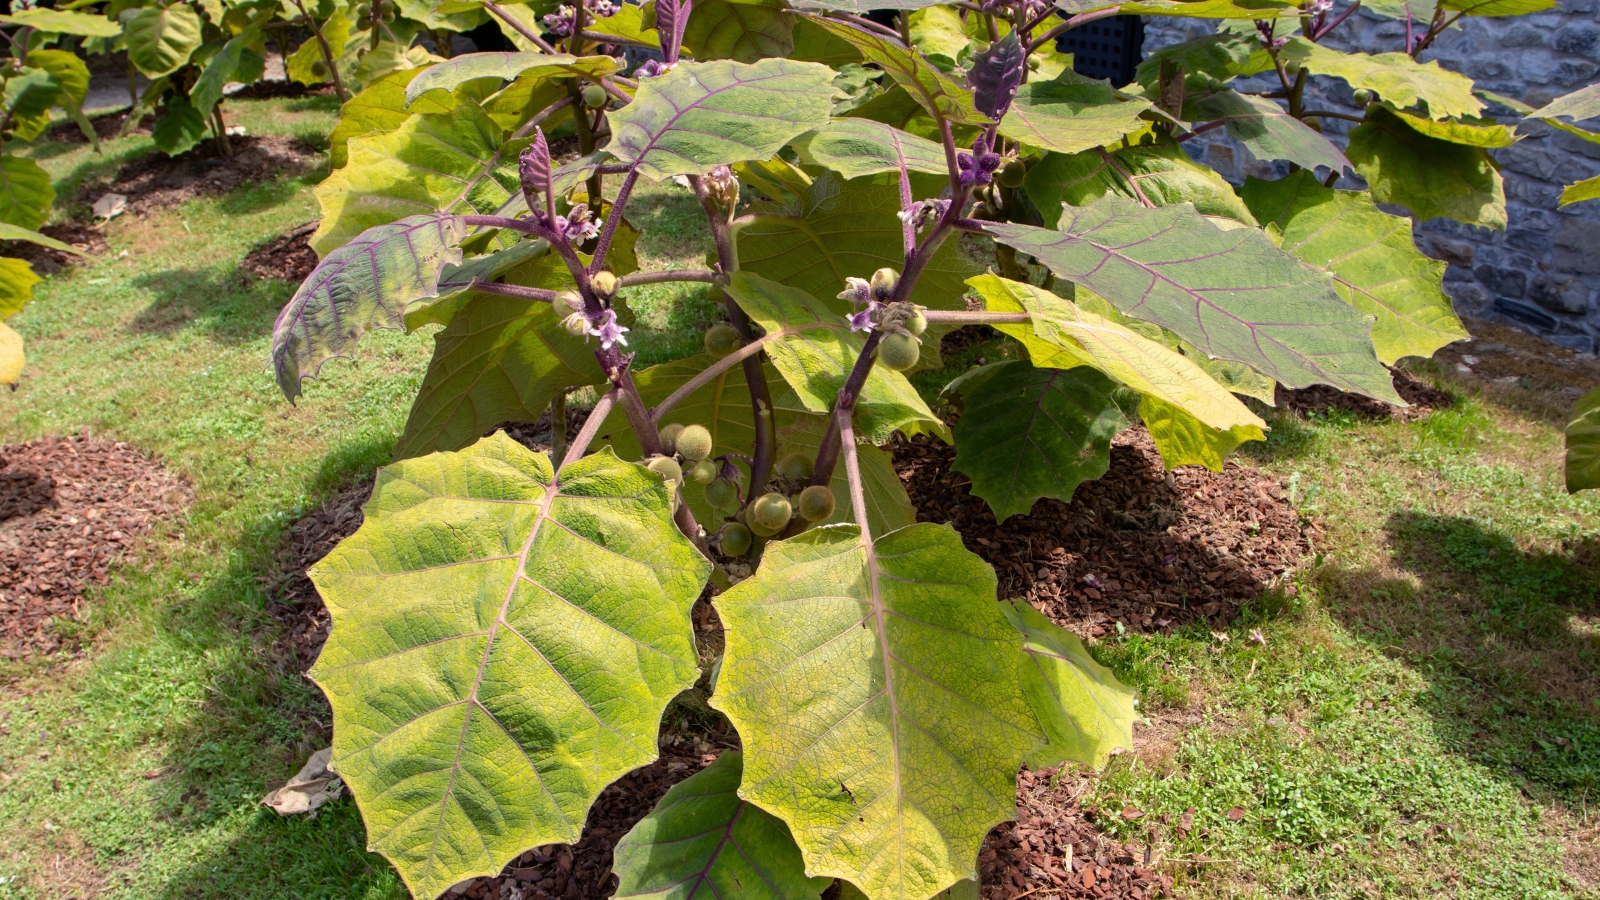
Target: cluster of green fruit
(383, 10)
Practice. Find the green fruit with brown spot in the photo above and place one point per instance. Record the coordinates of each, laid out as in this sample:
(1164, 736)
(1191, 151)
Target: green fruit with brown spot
(770, 514)
(899, 352)
(704, 472)
(816, 503)
(666, 467)
(694, 443)
(735, 540)
(796, 466)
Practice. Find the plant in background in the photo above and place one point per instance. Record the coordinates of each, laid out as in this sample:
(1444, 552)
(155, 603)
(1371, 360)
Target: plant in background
(508, 626)
(354, 43)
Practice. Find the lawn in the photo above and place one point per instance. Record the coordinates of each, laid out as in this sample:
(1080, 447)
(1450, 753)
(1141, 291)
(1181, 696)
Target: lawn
(1418, 717)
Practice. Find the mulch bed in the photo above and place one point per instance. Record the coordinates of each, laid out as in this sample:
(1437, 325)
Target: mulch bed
(106, 127)
(157, 181)
(69, 508)
(47, 261)
(1423, 397)
(1149, 549)
(299, 607)
(288, 256)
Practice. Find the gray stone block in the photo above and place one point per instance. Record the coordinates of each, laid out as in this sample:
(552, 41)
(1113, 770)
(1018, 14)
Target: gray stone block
(1583, 343)
(1578, 247)
(1560, 294)
(1503, 282)
(1536, 242)
(1529, 158)
(1452, 251)
(1578, 41)
(1574, 72)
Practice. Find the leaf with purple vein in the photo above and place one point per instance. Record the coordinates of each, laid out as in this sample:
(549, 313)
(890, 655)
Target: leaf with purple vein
(995, 74)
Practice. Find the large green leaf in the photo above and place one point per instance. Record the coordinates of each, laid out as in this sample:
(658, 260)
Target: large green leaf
(1209, 9)
(938, 93)
(875, 685)
(69, 72)
(368, 283)
(27, 101)
(1372, 257)
(1183, 440)
(1269, 132)
(939, 34)
(1086, 712)
(1165, 174)
(702, 842)
(1230, 293)
(966, 889)
(180, 127)
(12, 359)
(501, 359)
(888, 506)
(627, 22)
(1587, 189)
(1070, 114)
(223, 66)
(1064, 335)
(1027, 433)
(507, 66)
(1212, 59)
(446, 162)
(1426, 175)
(17, 279)
(25, 192)
(815, 361)
(1395, 77)
(504, 641)
(707, 114)
(9, 232)
(856, 147)
(381, 106)
(160, 39)
(1498, 7)
(814, 43)
(1579, 105)
(58, 21)
(740, 31)
(1471, 132)
(1583, 444)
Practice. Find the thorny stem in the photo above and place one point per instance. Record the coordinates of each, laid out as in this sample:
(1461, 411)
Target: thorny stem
(649, 438)
(963, 317)
(520, 28)
(597, 418)
(1328, 29)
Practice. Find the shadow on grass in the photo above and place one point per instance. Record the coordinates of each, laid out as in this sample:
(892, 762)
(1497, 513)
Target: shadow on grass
(1508, 639)
(259, 722)
(230, 307)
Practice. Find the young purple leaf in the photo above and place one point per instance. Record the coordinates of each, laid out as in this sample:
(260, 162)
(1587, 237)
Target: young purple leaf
(672, 16)
(995, 75)
(533, 168)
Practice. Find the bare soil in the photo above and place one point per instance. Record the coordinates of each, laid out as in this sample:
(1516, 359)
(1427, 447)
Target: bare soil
(69, 509)
(157, 181)
(48, 261)
(288, 256)
(1423, 399)
(1521, 368)
(106, 126)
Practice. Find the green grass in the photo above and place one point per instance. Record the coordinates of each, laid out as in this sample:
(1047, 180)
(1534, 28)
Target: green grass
(1421, 721)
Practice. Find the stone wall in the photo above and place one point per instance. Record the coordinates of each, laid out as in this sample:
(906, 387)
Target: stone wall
(1542, 273)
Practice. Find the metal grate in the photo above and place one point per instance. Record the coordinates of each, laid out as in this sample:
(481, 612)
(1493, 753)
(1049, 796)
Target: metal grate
(1110, 48)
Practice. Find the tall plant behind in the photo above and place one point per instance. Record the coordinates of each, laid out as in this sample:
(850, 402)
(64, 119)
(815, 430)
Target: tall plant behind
(508, 626)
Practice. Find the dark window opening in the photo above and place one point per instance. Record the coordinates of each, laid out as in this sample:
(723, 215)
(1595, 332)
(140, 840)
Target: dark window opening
(1109, 48)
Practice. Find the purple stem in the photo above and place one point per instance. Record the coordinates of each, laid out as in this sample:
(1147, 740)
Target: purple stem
(1203, 129)
(597, 418)
(617, 205)
(828, 453)
(1324, 31)
(668, 276)
(514, 290)
(520, 28)
(1074, 22)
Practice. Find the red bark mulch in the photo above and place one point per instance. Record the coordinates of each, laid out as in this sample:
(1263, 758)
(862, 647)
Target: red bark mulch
(69, 509)
(288, 256)
(1423, 397)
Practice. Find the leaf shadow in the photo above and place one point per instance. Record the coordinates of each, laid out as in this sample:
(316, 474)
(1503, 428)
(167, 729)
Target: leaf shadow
(228, 306)
(1508, 639)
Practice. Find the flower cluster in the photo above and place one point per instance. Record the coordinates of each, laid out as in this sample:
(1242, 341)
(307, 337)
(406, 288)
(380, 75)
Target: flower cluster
(723, 186)
(923, 213)
(578, 225)
(1266, 28)
(869, 296)
(977, 167)
(651, 68)
(559, 23)
(608, 330)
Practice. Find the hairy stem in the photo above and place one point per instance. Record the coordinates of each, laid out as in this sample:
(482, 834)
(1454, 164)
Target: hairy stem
(668, 276)
(963, 317)
(558, 425)
(1325, 114)
(852, 471)
(538, 295)
(828, 453)
(1209, 126)
(710, 372)
(1068, 25)
(586, 434)
(602, 38)
(613, 217)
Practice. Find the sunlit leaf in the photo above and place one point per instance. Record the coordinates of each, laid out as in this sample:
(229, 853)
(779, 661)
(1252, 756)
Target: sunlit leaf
(1471, 132)
(862, 7)
(25, 192)
(1071, 114)
(938, 93)
(857, 147)
(1210, 9)
(381, 106)
(707, 114)
(1268, 131)
(627, 23)
(1583, 444)
(224, 66)
(1166, 175)
(1587, 189)
(1183, 440)
(160, 39)
(1579, 105)
(702, 841)
(1498, 7)
(1230, 293)
(505, 65)
(56, 21)
(1086, 712)
(17, 279)
(1212, 59)
(1028, 432)
(740, 31)
(1372, 257)
(816, 361)
(368, 283)
(1395, 77)
(936, 31)
(1426, 175)
(504, 641)
(875, 685)
(12, 359)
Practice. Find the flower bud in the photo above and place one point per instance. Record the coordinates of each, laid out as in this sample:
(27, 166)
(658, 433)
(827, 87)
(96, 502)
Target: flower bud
(572, 301)
(883, 283)
(576, 324)
(604, 283)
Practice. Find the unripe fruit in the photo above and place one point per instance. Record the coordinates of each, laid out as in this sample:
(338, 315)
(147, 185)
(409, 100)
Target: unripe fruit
(816, 503)
(363, 9)
(917, 324)
(722, 494)
(666, 467)
(883, 283)
(770, 514)
(1012, 174)
(364, 23)
(576, 325)
(693, 443)
(1363, 96)
(571, 301)
(594, 96)
(604, 284)
(669, 437)
(319, 69)
(705, 472)
(721, 340)
(795, 466)
(388, 15)
(735, 540)
(899, 352)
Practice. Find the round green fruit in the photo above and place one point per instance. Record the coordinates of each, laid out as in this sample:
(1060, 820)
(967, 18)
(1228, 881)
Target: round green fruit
(666, 467)
(770, 514)
(1363, 96)
(1011, 174)
(721, 340)
(576, 324)
(796, 466)
(319, 69)
(917, 324)
(388, 15)
(704, 472)
(669, 437)
(693, 443)
(816, 503)
(722, 493)
(594, 96)
(899, 352)
(734, 540)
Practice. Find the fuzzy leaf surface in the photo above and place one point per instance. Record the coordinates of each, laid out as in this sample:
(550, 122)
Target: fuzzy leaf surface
(702, 842)
(876, 686)
(1395, 77)
(1372, 257)
(740, 31)
(707, 114)
(937, 92)
(1086, 712)
(1269, 132)
(857, 147)
(1583, 444)
(1429, 176)
(507, 65)
(504, 642)
(1165, 173)
(1027, 433)
(1230, 293)
(1070, 115)
(368, 283)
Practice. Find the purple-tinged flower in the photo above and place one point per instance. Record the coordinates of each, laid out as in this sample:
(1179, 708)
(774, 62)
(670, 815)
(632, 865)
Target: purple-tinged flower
(605, 9)
(862, 321)
(857, 291)
(559, 23)
(923, 213)
(1266, 28)
(1093, 580)
(1319, 7)
(653, 68)
(977, 167)
(608, 331)
(579, 226)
